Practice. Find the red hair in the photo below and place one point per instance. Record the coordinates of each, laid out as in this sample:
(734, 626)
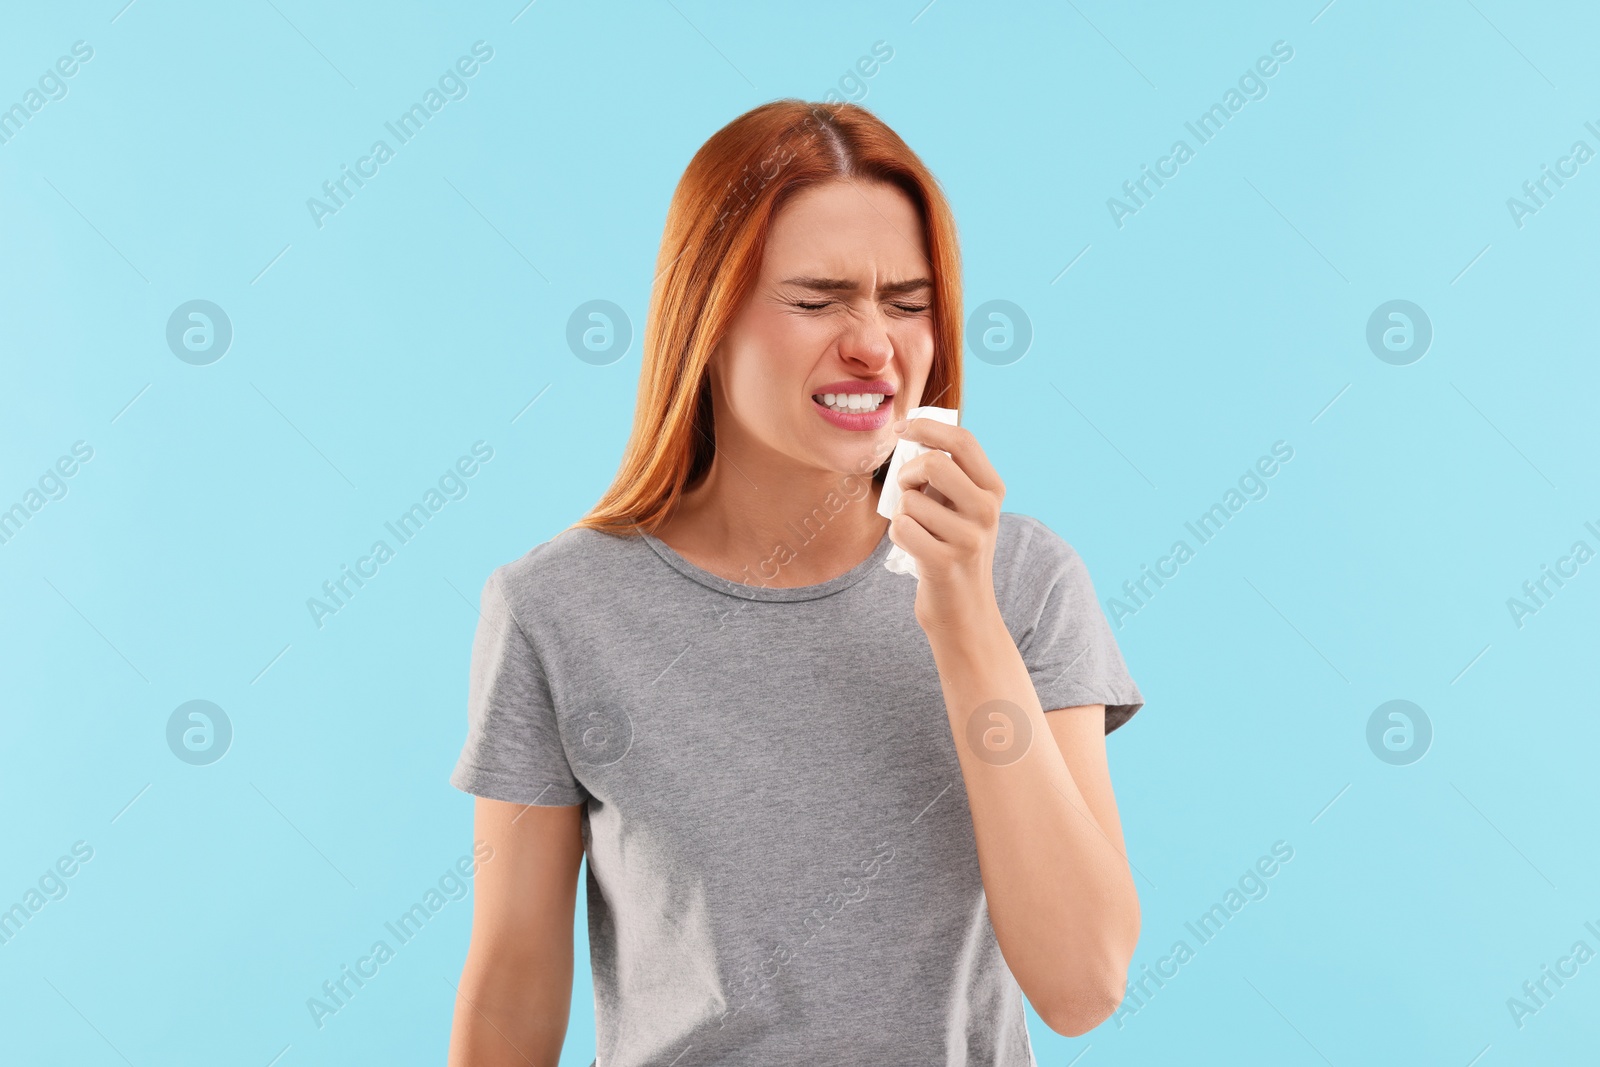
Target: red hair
(711, 249)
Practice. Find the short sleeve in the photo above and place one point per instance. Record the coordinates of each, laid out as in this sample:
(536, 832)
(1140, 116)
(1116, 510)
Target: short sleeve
(513, 750)
(1064, 637)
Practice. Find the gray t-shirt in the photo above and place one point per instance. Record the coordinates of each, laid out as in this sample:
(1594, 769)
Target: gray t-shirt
(781, 861)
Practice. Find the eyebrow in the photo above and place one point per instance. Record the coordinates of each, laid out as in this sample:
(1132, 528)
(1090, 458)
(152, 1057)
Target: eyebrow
(841, 285)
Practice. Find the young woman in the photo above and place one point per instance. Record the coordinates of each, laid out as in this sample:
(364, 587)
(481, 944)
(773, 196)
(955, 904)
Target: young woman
(833, 813)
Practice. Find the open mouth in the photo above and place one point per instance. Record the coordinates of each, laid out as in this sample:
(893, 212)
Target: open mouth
(851, 403)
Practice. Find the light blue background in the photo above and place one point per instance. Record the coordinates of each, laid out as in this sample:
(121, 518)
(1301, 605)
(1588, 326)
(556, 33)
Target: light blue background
(369, 354)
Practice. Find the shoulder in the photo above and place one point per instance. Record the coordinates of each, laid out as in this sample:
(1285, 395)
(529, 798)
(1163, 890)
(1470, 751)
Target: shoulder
(1032, 562)
(1026, 543)
(568, 564)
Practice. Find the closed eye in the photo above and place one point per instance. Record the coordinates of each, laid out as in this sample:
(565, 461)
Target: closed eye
(908, 308)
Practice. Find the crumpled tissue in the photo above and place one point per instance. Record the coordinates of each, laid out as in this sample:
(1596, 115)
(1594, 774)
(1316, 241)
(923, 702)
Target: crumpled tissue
(899, 560)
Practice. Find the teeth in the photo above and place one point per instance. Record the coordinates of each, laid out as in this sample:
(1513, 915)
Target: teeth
(845, 403)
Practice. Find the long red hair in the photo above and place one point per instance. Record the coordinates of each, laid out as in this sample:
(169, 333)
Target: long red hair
(711, 250)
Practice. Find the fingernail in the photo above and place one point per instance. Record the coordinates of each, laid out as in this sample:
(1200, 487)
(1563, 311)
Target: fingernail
(900, 426)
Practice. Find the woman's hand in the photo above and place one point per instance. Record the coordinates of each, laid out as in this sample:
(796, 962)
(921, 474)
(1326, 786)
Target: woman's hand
(947, 519)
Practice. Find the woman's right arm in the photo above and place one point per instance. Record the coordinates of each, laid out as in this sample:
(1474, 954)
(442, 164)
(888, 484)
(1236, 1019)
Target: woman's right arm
(516, 986)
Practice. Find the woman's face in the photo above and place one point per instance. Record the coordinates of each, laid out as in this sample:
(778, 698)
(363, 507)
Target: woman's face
(843, 305)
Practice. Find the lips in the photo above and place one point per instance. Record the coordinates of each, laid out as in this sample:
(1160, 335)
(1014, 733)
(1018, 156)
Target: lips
(853, 396)
(855, 385)
(850, 403)
(865, 414)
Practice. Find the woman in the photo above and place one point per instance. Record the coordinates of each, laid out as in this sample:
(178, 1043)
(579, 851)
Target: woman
(833, 814)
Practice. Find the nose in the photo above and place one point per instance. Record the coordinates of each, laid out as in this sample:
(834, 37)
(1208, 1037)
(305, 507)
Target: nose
(866, 342)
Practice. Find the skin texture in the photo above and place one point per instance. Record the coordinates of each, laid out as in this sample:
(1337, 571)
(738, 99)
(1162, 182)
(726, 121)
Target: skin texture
(1050, 847)
(1060, 894)
(515, 991)
(776, 458)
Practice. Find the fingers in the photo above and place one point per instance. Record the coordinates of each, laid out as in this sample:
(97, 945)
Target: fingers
(946, 525)
(963, 448)
(947, 501)
(913, 537)
(940, 476)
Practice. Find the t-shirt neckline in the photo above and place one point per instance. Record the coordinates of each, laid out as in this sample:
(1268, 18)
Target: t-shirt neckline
(761, 592)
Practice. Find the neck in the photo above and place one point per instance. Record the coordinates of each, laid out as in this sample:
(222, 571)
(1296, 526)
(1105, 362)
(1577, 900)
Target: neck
(776, 525)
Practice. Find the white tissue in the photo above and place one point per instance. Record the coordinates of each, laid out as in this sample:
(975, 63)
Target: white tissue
(899, 560)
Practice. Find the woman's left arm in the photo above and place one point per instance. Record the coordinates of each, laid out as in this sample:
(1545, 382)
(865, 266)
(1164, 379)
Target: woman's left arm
(1061, 897)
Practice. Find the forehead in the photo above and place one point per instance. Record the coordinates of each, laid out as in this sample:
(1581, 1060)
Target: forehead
(844, 229)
